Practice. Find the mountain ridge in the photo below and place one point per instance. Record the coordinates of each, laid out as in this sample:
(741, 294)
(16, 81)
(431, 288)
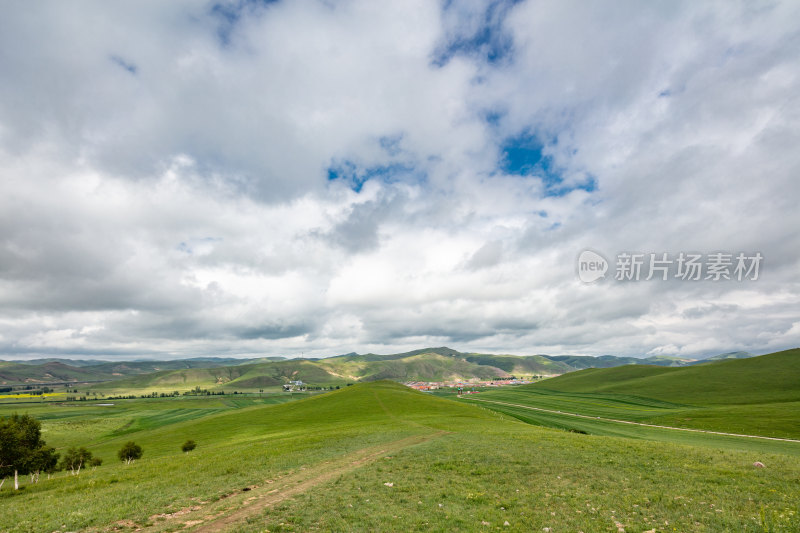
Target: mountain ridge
(425, 364)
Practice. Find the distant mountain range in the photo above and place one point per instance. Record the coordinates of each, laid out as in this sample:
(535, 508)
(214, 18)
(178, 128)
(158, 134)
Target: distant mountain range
(427, 364)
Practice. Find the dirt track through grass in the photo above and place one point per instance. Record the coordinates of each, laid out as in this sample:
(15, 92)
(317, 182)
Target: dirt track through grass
(237, 508)
(693, 430)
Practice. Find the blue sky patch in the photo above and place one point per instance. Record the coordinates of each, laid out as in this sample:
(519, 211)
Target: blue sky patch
(524, 155)
(489, 42)
(356, 177)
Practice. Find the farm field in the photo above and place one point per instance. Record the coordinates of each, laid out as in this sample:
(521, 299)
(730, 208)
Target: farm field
(382, 457)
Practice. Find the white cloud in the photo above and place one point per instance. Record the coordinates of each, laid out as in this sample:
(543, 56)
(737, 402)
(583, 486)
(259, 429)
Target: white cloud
(163, 192)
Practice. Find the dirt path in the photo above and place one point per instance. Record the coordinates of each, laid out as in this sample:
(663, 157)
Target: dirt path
(632, 423)
(241, 506)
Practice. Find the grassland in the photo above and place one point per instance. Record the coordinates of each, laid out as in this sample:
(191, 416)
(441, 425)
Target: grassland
(757, 396)
(635, 421)
(758, 380)
(324, 462)
(91, 423)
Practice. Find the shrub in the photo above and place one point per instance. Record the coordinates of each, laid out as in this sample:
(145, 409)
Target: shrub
(130, 452)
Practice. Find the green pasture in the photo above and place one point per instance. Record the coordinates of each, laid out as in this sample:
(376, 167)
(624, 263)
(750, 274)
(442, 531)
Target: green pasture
(778, 419)
(760, 380)
(92, 422)
(477, 470)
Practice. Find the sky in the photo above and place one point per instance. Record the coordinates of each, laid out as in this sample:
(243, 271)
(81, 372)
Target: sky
(308, 178)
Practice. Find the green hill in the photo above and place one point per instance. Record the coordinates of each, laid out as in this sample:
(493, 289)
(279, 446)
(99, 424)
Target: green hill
(429, 367)
(723, 357)
(127, 368)
(441, 363)
(521, 365)
(447, 352)
(579, 362)
(768, 378)
(44, 371)
(52, 372)
(434, 364)
(246, 376)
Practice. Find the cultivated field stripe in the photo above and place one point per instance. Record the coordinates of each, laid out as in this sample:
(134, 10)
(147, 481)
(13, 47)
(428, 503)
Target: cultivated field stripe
(254, 501)
(588, 417)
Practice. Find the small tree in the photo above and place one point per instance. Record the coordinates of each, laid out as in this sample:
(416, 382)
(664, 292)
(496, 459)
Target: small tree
(43, 459)
(22, 449)
(130, 452)
(188, 446)
(95, 462)
(75, 458)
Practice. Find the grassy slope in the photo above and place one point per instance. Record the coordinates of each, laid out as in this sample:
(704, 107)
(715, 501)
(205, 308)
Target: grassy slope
(45, 371)
(436, 364)
(448, 352)
(579, 362)
(519, 365)
(756, 396)
(768, 378)
(429, 367)
(485, 471)
(127, 368)
(407, 365)
(19, 373)
(229, 378)
(724, 356)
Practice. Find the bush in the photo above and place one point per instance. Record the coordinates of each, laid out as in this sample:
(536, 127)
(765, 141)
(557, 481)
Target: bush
(75, 458)
(188, 446)
(130, 452)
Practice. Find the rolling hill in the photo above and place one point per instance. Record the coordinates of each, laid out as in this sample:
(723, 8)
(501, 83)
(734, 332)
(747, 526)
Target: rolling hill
(419, 367)
(335, 371)
(579, 362)
(48, 371)
(436, 364)
(767, 378)
(427, 364)
(51, 372)
(246, 376)
(723, 357)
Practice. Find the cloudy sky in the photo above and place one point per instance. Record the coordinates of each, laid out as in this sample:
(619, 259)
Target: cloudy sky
(246, 178)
